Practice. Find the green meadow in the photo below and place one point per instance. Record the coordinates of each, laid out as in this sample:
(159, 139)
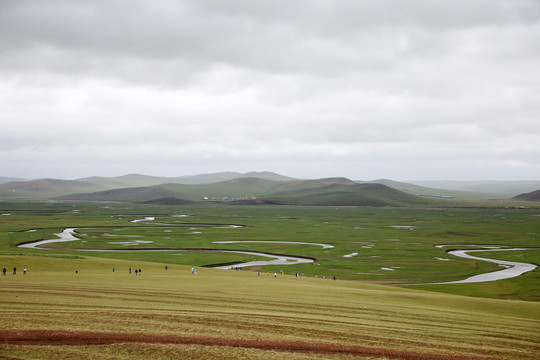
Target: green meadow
(373, 310)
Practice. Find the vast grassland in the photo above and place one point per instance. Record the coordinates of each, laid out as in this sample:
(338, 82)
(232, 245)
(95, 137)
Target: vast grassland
(218, 306)
(73, 297)
(385, 245)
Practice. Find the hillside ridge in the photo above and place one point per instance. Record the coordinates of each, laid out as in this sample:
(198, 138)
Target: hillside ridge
(530, 196)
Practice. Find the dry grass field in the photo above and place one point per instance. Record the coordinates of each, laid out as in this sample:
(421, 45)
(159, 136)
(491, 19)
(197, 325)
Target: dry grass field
(53, 312)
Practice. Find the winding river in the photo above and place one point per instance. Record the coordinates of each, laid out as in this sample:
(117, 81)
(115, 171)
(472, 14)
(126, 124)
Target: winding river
(512, 268)
(68, 235)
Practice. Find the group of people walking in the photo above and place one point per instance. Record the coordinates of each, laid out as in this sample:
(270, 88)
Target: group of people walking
(4, 271)
(137, 271)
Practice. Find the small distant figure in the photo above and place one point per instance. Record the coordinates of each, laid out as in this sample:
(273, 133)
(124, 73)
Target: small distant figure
(24, 271)
(76, 271)
(275, 274)
(192, 271)
(140, 271)
(4, 271)
(14, 271)
(136, 272)
(165, 267)
(130, 270)
(113, 269)
(258, 273)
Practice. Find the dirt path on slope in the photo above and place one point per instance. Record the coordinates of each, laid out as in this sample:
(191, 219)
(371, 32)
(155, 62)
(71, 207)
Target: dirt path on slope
(80, 338)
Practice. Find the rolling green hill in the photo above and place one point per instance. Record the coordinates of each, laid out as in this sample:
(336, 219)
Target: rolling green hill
(266, 187)
(138, 180)
(229, 175)
(242, 187)
(124, 181)
(331, 191)
(50, 188)
(509, 188)
(458, 195)
(531, 196)
(4, 179)
(343, 193)
(45, 188)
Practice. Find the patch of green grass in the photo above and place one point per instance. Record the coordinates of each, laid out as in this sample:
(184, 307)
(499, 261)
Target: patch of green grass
(393, 245)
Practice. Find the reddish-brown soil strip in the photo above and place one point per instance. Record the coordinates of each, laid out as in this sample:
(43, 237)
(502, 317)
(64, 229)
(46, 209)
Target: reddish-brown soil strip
(54, 337)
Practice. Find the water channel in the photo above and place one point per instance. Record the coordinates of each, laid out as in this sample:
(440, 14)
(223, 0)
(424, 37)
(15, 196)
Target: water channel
(512, 268)
(68, 235)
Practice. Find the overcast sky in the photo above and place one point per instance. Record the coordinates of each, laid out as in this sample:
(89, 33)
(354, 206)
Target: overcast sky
(363, 89)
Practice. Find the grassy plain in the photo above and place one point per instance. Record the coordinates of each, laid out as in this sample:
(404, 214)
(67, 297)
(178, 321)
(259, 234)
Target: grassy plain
(224, 304)
(390, 245)
(214, 308)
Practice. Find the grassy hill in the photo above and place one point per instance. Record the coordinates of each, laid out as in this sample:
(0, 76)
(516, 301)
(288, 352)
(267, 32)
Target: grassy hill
(196, 192)
(509, 188)
(4, 179)
(342, 193)
(230, 175)
(458, 195)
(531, 196)
(130, 180)
(138, 180)
(45, 188)
(50, 188)
(265, 186)
(222, 314)
(331, 191)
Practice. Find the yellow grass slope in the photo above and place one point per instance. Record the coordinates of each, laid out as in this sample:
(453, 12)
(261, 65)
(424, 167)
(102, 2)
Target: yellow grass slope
(227, 314)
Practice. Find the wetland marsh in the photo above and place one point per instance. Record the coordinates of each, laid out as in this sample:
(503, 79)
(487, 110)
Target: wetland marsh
(382, 245)
(71, 301)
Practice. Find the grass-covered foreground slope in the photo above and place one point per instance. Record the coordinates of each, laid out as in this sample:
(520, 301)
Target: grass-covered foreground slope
(53, 312)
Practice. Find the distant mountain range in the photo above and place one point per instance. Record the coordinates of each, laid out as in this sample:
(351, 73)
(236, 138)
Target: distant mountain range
(134, 180)
(251, 188)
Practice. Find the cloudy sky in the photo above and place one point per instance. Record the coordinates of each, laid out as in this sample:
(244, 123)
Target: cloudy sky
(363, 89)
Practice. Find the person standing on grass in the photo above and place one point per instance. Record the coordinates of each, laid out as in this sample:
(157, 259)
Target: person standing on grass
(14, 271)
(130, 270)
(136, 272)
(24, 271)
(4, 271)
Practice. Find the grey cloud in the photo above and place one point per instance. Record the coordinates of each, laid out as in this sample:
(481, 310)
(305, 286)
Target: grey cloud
(280, 36)
(325, 84)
